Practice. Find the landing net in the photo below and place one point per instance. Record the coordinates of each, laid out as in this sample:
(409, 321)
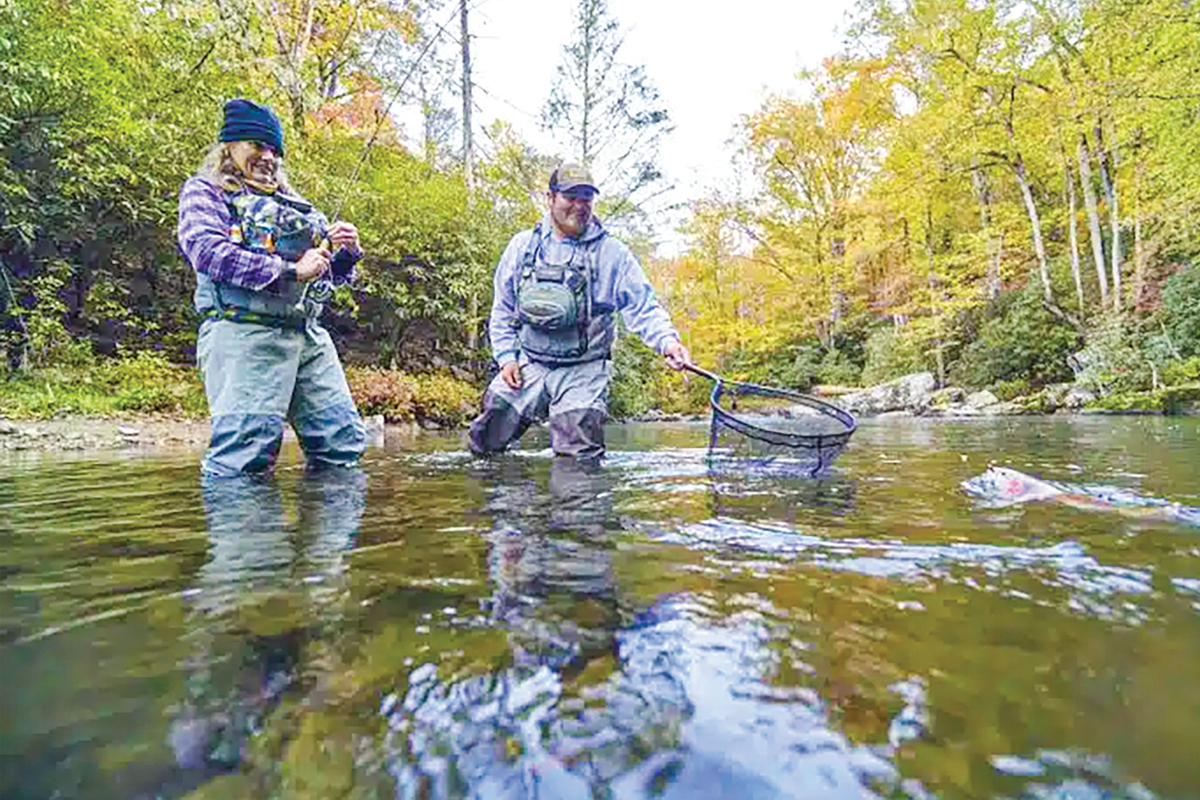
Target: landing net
(765, 428)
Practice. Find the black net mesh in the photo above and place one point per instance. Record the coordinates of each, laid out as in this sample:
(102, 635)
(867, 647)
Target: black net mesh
(769, 429)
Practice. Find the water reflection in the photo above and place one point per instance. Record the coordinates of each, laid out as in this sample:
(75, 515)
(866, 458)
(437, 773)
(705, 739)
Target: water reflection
(604, 696)
(550, 563)
(267, 595)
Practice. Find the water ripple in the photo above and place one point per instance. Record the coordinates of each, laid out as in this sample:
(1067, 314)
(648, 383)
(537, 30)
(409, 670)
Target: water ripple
(690, 713)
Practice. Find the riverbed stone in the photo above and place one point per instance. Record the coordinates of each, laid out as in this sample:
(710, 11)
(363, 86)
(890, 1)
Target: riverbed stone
(981, 399)
(1006, 408)
(1077, 397)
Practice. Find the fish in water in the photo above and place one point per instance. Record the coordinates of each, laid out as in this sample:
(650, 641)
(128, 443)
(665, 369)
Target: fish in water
(1001, 486)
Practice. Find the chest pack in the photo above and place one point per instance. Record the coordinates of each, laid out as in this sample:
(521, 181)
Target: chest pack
(554, 301)
(276, 223)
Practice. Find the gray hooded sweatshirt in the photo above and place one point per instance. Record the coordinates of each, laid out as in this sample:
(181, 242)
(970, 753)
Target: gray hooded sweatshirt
(617, 284)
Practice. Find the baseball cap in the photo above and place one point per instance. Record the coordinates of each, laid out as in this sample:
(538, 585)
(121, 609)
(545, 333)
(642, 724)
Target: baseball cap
(573, 178)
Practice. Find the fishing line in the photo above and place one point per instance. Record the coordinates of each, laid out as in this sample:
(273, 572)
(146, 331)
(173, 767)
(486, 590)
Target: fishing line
(362, 158)
(379, 120)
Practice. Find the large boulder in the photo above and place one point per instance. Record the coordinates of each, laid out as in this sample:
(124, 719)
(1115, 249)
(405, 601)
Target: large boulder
(910, 393)
(981, 400)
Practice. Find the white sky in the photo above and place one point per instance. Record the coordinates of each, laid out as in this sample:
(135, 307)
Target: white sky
(711, 63)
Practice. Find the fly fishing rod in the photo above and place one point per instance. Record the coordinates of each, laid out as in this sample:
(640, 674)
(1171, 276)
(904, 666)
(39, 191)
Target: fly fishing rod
(325, 244)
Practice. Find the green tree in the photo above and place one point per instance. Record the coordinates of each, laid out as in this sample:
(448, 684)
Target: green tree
(609, 115)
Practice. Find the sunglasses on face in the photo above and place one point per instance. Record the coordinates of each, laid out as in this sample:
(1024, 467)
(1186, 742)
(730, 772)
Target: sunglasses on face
(260, 149)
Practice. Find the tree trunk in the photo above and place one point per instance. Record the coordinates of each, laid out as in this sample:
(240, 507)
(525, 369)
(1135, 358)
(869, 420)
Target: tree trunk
(1073, 230)
(837, 267)
(1107, 177)
(1115, 223)
(1035, 224)
(1093, 214)
(468, 141)
(468, 162)
(1139, 263)
(994, 266)
(932, 284)
(290, 73)
(591, 19)
(984, 192)
(1140, 256)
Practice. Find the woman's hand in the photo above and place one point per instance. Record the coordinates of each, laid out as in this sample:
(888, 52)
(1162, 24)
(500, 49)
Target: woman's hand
(343, 234)
(312, 265)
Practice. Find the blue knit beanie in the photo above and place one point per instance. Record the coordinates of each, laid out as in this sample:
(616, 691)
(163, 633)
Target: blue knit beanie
(247, 121)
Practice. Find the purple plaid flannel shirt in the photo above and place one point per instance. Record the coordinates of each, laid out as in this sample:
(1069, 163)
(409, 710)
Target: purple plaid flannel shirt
(204, 237)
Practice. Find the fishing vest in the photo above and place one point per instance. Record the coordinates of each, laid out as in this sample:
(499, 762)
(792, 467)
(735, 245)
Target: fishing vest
(555, 308)
(274, 224)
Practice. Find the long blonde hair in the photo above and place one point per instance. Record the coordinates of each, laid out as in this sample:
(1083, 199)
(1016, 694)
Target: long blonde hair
(219, 169)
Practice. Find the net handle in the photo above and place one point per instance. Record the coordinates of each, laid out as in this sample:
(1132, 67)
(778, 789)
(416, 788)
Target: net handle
(690, 367)
(713, 397)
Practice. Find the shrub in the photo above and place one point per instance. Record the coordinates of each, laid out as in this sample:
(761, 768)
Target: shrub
(838, 368)
(1185, 371)
(1022, 340)
(381, 391)
(143, 382)
(804, 366)
(632, 390)
(641, 381)
(148, 399)
(891, 353)
(438, 398)
(1007, 390)
(1112, 360)
(445, 400)
(1181, 311)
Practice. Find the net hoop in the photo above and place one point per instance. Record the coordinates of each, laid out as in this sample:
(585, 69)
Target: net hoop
(827, 445)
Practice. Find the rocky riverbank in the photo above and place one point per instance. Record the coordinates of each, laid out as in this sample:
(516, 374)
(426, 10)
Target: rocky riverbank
(131, 434)
(918, 395)
(81, 433)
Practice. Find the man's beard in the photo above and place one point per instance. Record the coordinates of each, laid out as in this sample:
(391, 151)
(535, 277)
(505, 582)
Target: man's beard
(573, 222)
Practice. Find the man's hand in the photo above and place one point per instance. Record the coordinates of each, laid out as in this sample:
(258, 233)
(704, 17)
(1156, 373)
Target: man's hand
(511, 372)
(677, 355)
(343, 234)
(312, 265)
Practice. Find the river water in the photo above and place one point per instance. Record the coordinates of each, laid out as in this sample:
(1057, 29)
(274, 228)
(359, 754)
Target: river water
(435, 626)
